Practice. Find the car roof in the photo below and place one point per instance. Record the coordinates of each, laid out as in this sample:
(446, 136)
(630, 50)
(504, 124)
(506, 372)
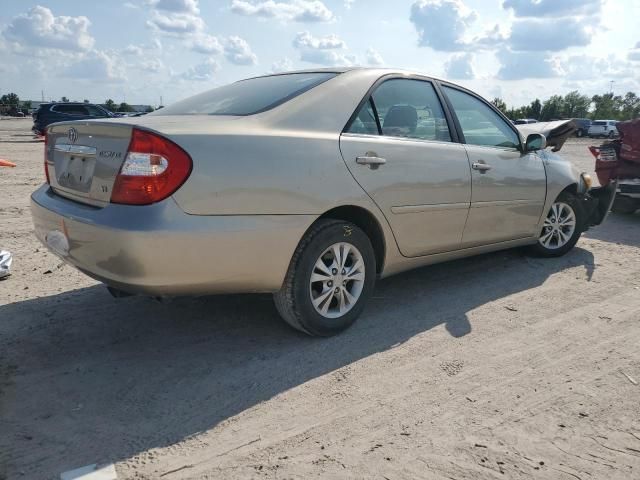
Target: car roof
(355, 70)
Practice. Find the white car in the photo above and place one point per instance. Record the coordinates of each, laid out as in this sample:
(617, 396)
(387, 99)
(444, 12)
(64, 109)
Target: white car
(603, 128)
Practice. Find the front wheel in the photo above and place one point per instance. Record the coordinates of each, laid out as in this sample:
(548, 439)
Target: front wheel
(331, 276)
(579, 133)
(562, 227)
(612, 134)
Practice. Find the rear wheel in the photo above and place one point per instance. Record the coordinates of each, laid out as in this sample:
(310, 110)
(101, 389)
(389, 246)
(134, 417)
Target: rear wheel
(612, 134)
(579, 133)
(562, 227)
(331, 276)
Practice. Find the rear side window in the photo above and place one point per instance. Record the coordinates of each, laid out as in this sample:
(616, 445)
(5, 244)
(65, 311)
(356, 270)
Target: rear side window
(96, 111)
(598, 123)
(70, 109)
(406, 108)
(248, 97)
(480, 124)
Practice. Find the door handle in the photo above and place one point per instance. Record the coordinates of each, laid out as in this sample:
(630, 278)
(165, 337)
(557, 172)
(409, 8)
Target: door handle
(372, 160)
(481, 166)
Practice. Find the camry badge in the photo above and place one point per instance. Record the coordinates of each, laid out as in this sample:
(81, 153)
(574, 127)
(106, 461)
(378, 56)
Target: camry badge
(72, 135)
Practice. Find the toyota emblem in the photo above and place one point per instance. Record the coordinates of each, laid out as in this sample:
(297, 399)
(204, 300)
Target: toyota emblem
(72, 135)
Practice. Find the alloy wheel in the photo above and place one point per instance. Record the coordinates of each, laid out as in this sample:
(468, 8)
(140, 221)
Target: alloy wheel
(337, 280)
(558, 227)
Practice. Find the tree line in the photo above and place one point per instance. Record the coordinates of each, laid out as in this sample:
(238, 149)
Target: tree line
(10, 104)
(574, 105)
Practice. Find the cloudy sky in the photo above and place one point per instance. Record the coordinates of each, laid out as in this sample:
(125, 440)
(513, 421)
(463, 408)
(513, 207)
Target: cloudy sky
(139, 50)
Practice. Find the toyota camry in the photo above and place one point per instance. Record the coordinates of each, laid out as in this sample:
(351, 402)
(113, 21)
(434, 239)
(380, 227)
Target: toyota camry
(310, 185)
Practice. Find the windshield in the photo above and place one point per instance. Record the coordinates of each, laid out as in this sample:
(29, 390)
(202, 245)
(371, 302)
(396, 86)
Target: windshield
(247, 97)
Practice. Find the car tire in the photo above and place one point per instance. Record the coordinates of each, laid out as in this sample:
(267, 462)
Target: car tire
(625, 205)
(611, 134)
(556, 238)
(315, 307)
(579, 133)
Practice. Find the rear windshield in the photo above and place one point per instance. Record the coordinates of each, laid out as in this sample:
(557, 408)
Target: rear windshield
(598, 123)
(247, 97)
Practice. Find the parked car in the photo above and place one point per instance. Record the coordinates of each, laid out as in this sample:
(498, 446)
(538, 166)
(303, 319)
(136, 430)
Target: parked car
(49, 113)
(582, 125)
(310, 185)
(603, 128)
(524, 121)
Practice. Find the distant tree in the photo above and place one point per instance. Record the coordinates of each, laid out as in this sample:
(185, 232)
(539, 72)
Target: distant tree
(10, 99)
(575, 105)
(64, 99)
(534, 110)
(86, 101)
(630, 106)
(552, 108)
(607, 106)
(26, 106)
(149, 109)
(500, 104)
(110, 105)
(125, 107)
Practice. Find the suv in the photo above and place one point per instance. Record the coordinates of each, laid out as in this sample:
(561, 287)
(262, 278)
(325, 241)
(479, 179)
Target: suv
(582, 126)
(525, 121)
(49, 113)
(603, 128)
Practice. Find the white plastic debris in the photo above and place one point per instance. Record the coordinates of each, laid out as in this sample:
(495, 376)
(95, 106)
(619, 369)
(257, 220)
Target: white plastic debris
(5, 263)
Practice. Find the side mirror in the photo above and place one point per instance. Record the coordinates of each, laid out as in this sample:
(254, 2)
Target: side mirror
(535, 142)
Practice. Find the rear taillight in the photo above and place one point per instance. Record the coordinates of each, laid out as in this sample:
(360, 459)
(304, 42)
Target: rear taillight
(153, 169)
(46, 158)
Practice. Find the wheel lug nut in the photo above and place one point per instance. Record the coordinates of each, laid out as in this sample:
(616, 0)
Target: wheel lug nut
(343, 271)
(334, 271)
(330, 283)
(337, 290)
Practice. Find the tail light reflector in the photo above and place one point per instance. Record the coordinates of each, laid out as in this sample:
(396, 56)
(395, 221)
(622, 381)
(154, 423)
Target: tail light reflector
(153, 169)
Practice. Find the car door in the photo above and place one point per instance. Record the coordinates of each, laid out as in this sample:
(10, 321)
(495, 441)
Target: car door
(508, 187)
(399, 148)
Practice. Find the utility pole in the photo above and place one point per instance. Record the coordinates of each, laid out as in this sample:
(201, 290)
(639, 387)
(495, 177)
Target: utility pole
(161, 100)
(42, 93)
(611, 86)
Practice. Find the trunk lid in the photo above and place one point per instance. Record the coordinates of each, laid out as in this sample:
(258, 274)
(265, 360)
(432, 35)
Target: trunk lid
(84, 159)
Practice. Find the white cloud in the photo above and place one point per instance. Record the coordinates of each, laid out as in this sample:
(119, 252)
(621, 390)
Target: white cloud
(460, 67)
(327, 57)
(99, 66)
(553, 8)
(40, 28)
(306, 40)
(176, 23)
(587, 67)
(295, 10)
(202, 72)
(177, 6)
(521, 65)
(132, 50)
(374, 58)
(634, 53)
(238, 51)
(550, 34)
(207, 44)
(348, 4)
(441, 24)
(283, 65)
(152, 66)
(322, 50)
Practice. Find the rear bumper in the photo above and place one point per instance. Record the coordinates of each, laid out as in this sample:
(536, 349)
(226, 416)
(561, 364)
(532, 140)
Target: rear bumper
(160, 250)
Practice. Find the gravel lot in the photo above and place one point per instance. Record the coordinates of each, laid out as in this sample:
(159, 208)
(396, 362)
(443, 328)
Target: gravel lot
(499, 366)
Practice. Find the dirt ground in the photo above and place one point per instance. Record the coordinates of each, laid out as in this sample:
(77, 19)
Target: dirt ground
(499, 366)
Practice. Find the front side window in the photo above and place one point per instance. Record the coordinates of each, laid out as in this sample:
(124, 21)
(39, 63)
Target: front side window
(480, 124)
(411, 109)
(248, 97)
(70, 109)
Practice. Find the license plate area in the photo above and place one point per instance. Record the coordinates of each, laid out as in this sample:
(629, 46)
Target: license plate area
(75, 166)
